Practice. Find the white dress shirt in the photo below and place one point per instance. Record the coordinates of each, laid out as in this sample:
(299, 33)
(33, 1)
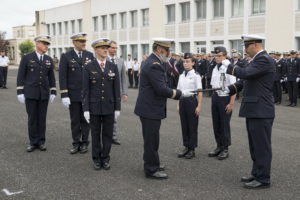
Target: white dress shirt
(191, 81)
(40, 55)
(77, 52)
(4, 61)
(215, 78)
(129, 64)
(136, 66)
(99, 61)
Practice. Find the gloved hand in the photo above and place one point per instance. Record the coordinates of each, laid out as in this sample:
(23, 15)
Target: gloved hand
(226, 62)
(52, 97)
(66, 102)
(21, 98)
(117, 114)
(187, 93)
(86, 115)
(298, 79)
(282, 80)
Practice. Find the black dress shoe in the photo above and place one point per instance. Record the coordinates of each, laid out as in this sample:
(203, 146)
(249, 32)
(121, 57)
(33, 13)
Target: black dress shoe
(74, 149)
(97, 165)
(42, 147)
(116, 142)
(183, 153)
(157, 175)
(30, 148)
(247, 179)
(215, 152)
(290, 104)
(106, 166)
(256, 185)
(161, 168)
(190, 154)
(223, 155)
(83, 148)
(293, 105)
(4, 87)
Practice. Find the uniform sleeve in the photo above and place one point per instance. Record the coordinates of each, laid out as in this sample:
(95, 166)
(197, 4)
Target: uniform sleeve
(157, 79)
(117, 90)
(63, 76)
(198, 82)
(123, 79)
(85, 90)
(236, 87)
(21, 75)
(254, 70)
(51, 77)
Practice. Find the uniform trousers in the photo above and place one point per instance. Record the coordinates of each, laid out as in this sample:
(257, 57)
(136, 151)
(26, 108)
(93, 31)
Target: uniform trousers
(189, 121)
(259, 136)
(293, 91)
(37, 113)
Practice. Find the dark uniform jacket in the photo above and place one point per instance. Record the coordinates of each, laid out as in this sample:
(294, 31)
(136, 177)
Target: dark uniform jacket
(201, 67)
(153, 90)
(292, 69)
(172, 73)
(258, 79)
(279, 70)
(210, 67)
(240, 63)
(36, 80)
(179, 66)
(70, 74)
(101, 90)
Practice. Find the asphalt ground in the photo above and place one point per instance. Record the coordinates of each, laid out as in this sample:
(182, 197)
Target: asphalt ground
(55, 174)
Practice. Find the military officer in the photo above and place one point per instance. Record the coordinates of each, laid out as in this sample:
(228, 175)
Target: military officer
(3, 69)
(151, 104)
(292, 77)
(221, 106)
(112, 51)
(70, 80)
(201, 69)
(280, 66)
(210, 66)
(101, 102)
(257, 106)
(35, 88)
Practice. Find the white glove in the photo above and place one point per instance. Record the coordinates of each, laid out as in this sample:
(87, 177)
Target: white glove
(66, 102)
(187, 93)
(285, 79)
(297, 80)
(117, 114)
(226, 62)
(86, 115)
(281, 80)
(21, 98)
(52, 97)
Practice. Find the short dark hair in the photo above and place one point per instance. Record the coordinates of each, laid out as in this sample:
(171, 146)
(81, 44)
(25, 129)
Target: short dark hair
(112, 42)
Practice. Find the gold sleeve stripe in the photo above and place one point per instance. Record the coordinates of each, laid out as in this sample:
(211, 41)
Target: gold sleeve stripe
(233, 70)
(20, 87)
(174, 94)
(235, 89)
(53, 88)
(64, 91)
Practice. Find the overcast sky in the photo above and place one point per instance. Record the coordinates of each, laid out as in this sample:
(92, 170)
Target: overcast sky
(22, 12)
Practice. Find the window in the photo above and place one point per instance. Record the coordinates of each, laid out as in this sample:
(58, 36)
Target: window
(200, 9)
(237, 7)
(123, 51)
(185, 47)
(123, 20)
(298, 43)
(145, 17)
(113, 19)
(145, 49)
(79, 25)
(134, 51)
(104, 22)
(218, 8)
(171, 14)
(133, 18)
(54, 29)
(185, 11)
(200, 47)
(237, 44)
(59, 28)
(258, 6)
(66, 28)
(95, 22)
(48, 29)
(73, 26)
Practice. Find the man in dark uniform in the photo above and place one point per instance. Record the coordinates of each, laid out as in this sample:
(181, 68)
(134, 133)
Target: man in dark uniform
(70, 80)
(258, 108)
(151, 104)
(172, 73)
(292, 74)
(36, 87)
(210, 66)
(201, 66)
(101, 102)
(179, 63)
(280, 66)
(286, 56)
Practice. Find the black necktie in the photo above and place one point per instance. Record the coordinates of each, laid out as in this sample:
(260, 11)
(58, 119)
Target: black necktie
(41, 59)
(80, 54)
(113, 60)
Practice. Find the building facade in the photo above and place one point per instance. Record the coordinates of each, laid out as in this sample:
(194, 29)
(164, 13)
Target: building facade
(196, 25)
(20, 34)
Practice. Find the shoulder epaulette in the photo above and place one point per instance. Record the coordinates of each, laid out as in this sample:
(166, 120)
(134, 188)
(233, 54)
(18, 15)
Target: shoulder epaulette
(156, 63)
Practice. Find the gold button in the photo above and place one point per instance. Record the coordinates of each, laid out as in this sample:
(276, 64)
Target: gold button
(102, 91)
(102, 97)
(102, 84)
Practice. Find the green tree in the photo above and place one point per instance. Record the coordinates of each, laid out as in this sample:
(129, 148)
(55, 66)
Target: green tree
(26, 47)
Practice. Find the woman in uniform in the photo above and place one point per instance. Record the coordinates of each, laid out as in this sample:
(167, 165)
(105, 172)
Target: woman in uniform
(189, 107)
